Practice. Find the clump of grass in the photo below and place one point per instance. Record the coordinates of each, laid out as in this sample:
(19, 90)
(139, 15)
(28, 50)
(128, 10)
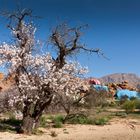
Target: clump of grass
(129, 106)
(137, 103)
(121, 114)
(43, 121)
(80, 119)
(58, 121)
(58, 118)
(101, 121)
(58, 124)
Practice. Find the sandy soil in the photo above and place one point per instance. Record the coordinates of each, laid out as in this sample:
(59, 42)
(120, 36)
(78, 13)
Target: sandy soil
(118, 129)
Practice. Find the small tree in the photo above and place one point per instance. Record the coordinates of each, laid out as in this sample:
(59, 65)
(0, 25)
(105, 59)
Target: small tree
(41, 78)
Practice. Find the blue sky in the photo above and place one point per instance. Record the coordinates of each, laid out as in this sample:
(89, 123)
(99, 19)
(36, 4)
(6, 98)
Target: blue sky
(114, 27)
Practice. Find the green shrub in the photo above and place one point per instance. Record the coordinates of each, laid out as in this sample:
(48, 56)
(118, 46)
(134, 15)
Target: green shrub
(101, 121)
(58, 124)
(80, 119)
(58, 121)
(121, 114)
(86, 120)
(58, 118)
(129, 106)
(43, 121)
(137, 103)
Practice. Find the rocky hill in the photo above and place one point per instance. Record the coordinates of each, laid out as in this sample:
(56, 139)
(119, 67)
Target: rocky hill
(131, 78)
(5, 83)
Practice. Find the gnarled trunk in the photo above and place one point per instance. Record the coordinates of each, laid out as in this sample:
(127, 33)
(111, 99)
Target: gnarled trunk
(29, 121)
(32, 114)
(28, 124)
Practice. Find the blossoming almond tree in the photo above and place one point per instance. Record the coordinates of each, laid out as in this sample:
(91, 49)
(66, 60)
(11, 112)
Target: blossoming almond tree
(41, 78)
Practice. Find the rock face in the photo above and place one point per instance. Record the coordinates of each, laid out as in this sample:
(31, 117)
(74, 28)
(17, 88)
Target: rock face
(132, 79)
(1, 79)
(5, 83)
(1, 76)
(113, 87)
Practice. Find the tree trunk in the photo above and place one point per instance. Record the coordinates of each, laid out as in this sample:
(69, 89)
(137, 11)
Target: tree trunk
(32, 114)
(29, 123)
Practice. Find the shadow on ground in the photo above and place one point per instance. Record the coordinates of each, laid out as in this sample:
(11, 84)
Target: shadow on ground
(9, 125)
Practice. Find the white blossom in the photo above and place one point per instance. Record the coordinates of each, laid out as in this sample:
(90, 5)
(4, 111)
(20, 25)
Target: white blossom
(40, 70)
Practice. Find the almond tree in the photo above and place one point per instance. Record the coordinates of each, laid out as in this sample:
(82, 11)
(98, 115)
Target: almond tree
(39, 78)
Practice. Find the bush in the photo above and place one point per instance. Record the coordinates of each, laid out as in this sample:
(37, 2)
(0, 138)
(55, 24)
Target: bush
(58, 121)
(97, 98)
(58, 118)
(121, 114)
(58, 124)
(43, 121)
(129, 106)
(80, 119)
(137, 103)
(101, 121)
(85, 120)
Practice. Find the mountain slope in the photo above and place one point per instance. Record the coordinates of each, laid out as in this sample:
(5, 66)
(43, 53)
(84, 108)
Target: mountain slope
(131, 78)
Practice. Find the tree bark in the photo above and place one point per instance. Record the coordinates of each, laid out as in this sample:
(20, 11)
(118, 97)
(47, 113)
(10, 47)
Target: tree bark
(29, 121)
(28, 125)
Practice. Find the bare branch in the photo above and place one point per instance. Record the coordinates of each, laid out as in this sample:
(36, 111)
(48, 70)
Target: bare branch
(67, 42)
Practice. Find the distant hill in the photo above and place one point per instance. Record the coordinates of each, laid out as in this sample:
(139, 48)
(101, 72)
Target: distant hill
(131, 78)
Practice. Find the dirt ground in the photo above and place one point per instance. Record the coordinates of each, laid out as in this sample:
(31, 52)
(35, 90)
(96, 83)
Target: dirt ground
(117, 129)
